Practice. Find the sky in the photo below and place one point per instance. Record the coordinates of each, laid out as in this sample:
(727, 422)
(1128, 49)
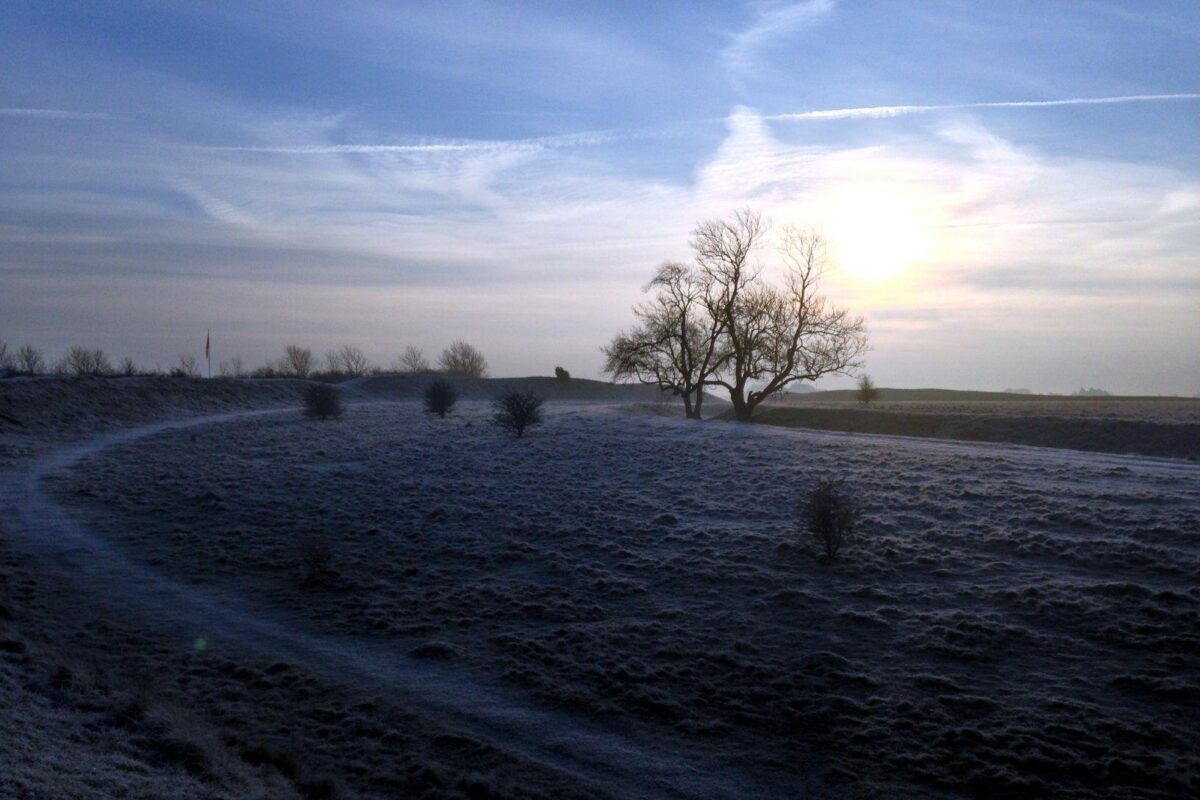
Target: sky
(1012, 190)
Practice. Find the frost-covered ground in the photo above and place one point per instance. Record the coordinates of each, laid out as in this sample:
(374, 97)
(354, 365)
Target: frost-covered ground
(1010, 622)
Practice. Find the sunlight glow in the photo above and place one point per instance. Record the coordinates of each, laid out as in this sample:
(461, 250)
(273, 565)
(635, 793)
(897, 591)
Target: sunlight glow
(878, 232)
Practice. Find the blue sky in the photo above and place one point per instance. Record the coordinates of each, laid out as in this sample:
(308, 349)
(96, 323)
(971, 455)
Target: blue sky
(387, 174)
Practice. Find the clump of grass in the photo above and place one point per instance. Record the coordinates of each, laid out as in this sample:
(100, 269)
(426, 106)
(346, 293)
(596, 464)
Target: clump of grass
(440, 397)
(516, 411)
(830, 513)
(321, 401)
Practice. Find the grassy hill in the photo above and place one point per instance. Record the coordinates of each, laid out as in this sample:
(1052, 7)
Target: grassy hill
(411, 387)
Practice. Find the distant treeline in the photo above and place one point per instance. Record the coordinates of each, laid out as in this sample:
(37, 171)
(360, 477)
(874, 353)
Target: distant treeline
(460, 358)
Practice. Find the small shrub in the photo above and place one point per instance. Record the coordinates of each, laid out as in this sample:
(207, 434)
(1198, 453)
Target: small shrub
(561, 376)
(516, 411)
(84, 361)
(233, 368)
(187, 367)
(830, 513)
(867, 393)
(321, 401)
(29, 360)
(349, 361)
(463, 359)
(297, 362)
(412, 361)
(316, 560)
(440, 397)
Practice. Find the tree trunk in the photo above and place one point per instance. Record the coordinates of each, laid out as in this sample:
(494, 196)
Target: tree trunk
(699, 403)
(741, 410)
(687, 404)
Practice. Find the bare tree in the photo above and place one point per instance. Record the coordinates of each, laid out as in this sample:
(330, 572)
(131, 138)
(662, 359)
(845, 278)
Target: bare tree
(233, 368)
(867, 393)
(29, 360)
(6, 359)
(297, 361)
(84, 361)
(348, 361)
(516, 411)
(461, 358)
(187, 367)
(126, 368)
(775, 336)
(412, 361)
(674, 344)
(721, 324)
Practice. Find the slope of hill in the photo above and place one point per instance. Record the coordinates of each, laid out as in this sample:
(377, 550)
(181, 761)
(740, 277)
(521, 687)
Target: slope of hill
(411, 387)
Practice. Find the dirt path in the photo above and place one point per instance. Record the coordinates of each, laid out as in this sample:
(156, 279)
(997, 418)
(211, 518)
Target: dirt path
(601, 760)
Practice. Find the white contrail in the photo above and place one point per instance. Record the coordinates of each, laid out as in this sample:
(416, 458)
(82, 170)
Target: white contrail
(362, 148)
(544, 142)
(882, 112)
(51, 113)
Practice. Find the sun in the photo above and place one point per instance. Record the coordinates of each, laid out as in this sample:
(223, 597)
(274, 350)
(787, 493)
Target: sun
(877, 232)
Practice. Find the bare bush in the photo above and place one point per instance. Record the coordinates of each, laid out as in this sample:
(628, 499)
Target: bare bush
(516, 411)
(440, 397)
(6, 359)
(321, 401)
(187, 367)
(232, 368)
(461, 358)
(412, 361)
(126, 368)
(297, 361)
(348, 361)
(674, 345)
(867, 393)
(84, 361)
(272, 369)
(29, 360)
(829, 512)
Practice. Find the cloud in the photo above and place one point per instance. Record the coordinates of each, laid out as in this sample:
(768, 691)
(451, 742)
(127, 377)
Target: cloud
(771, 24)
(51, 113)
(583, 139)
(883, 112)
(421, 241)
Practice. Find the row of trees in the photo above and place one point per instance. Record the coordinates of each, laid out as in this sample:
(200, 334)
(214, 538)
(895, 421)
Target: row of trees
(718, 321)
(460, 358)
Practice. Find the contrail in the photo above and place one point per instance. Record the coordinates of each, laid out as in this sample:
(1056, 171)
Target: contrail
(460, 146)
(363, 148)
(51, 113)
(883, 112)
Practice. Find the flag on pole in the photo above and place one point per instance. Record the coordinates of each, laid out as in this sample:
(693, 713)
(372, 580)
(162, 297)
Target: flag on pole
(208, 350)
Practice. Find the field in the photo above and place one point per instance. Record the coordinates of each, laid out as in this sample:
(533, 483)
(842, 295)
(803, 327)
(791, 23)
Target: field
(618, 605)
(1152, 426)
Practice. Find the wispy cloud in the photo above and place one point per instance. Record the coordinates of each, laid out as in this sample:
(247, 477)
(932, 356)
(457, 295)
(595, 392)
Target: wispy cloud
(883, 112)
(771, 24)
(51, 113)
(582, 139)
